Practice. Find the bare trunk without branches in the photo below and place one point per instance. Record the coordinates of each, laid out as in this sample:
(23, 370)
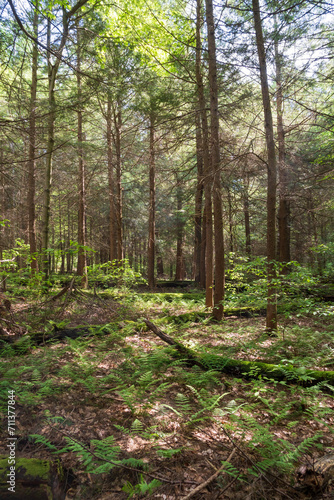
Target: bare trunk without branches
(151, 216)
(284, 202)
(198, 201)
(247, 218)
(111, 182)
(179, 273)
(119, 198)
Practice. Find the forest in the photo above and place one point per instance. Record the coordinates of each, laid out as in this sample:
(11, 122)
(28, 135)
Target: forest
(166, 249)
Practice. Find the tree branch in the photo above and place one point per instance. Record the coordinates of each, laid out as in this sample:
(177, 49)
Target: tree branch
(40, 44)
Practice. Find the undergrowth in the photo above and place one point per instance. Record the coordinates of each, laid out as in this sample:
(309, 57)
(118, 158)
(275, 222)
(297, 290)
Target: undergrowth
(164, 403)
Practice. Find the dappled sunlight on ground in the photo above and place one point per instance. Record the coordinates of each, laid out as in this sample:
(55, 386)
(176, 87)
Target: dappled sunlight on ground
(180, 421)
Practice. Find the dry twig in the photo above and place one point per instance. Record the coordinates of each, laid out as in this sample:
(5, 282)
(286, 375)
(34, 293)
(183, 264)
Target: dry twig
(211, 478)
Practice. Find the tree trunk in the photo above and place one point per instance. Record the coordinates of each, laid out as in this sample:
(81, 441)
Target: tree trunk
(82, 258)
(135, 252)
(160, 264)
(206, 165)
(218, 311)
(151, 217)
(112, 223)
(230, 219)
(53, 256)
(179, 272)
(61, 238)
(49, 150)
(247, 219)
(203, 251)
(198, 201)
(68, 254)
(271, 321)
(52, 75)
(284, 202)
(119, 201)
(32, 152)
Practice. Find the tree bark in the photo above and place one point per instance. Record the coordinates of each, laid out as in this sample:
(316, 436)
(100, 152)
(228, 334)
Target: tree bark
(206, 165)
(271, 321)
(68, 254)
(119, 200)
(160, 264)
(52, 75)
(49, 150)
(198, 201)
(82, 257)
(218, 310)
(179, 272)
(247, 219)
(32, 152)
(111, 181)
(151, 216)
(230, 219)
(61, 241)
(203, 251)
(284, 202)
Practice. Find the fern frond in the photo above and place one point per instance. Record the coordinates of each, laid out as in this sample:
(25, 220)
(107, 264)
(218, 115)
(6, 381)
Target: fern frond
(169, 453)
(78, 449)
(146, 379)
(36, 375)
(183, 403)
(161, 388)
(230, 469)
(42, 440)
(137, 427)
(135, 463)
(102, 469)
(171, 408)
(122, 429)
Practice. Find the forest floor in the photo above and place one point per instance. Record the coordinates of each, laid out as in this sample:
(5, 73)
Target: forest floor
(122, 396)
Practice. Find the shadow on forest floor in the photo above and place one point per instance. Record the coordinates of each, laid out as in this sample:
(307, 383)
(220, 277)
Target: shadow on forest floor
(170, 422)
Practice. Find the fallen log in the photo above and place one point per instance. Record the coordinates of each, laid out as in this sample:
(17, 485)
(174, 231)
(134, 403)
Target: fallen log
(41, 338)
(198, 316)
(32, 479)
(192, 357)
(174, 284)
(71, 333)
(248, 369)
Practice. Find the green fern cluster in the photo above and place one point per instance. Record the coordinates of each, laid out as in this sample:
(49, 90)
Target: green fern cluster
(99, 457)
(292, 374)
(207, 379)
(142, 488)
(137, 428)
(276, 454)
(207, 402)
